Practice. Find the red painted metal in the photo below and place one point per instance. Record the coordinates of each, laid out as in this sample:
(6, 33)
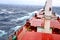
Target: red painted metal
(56, 36)
(46, 36)
(21, 33)
(55, 24)
(40, 22)
(32, 36)
(36, 22)
(18, 33)
(40, 36)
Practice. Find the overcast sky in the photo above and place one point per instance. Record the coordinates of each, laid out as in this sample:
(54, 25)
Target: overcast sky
(29, 2)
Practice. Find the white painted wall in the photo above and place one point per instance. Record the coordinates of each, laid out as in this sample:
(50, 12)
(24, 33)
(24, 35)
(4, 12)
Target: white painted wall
(39, 29)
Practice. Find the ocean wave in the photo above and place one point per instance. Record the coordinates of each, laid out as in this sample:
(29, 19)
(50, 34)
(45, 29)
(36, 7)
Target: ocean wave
(2, 33)
(25, 17)
(16, 28)
(57, 15)
(22, 19)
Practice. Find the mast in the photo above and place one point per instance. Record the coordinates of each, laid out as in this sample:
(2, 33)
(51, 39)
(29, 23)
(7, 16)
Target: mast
(48, 13)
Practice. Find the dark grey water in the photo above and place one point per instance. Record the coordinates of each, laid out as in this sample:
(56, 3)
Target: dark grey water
(10, 17)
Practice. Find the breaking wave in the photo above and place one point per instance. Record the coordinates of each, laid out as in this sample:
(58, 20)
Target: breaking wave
(10, 22)
(2, 33)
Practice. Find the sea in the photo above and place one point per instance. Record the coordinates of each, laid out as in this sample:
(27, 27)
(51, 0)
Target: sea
(13, 17)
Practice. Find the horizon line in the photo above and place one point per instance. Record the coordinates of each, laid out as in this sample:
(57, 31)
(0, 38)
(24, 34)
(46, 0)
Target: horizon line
(25, 5)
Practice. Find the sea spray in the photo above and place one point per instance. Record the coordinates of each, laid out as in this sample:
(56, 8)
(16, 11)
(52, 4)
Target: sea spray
(2, 33)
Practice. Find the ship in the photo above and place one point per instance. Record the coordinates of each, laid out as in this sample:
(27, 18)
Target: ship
(44, 25)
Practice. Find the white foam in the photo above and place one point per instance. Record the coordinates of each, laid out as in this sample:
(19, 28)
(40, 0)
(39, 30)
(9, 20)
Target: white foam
(2, 33)
(22, 18)
(57, 15)
(1, 12)
(16, 28)
(10, 12)
(25, 17)
(35, 12)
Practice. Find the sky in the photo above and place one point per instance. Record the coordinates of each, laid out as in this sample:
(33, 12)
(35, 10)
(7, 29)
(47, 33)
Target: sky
(29, 2)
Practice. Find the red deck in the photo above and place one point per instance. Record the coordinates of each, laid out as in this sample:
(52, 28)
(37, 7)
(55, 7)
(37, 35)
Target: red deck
(32, 36)
(40, 36)
(40, 22)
